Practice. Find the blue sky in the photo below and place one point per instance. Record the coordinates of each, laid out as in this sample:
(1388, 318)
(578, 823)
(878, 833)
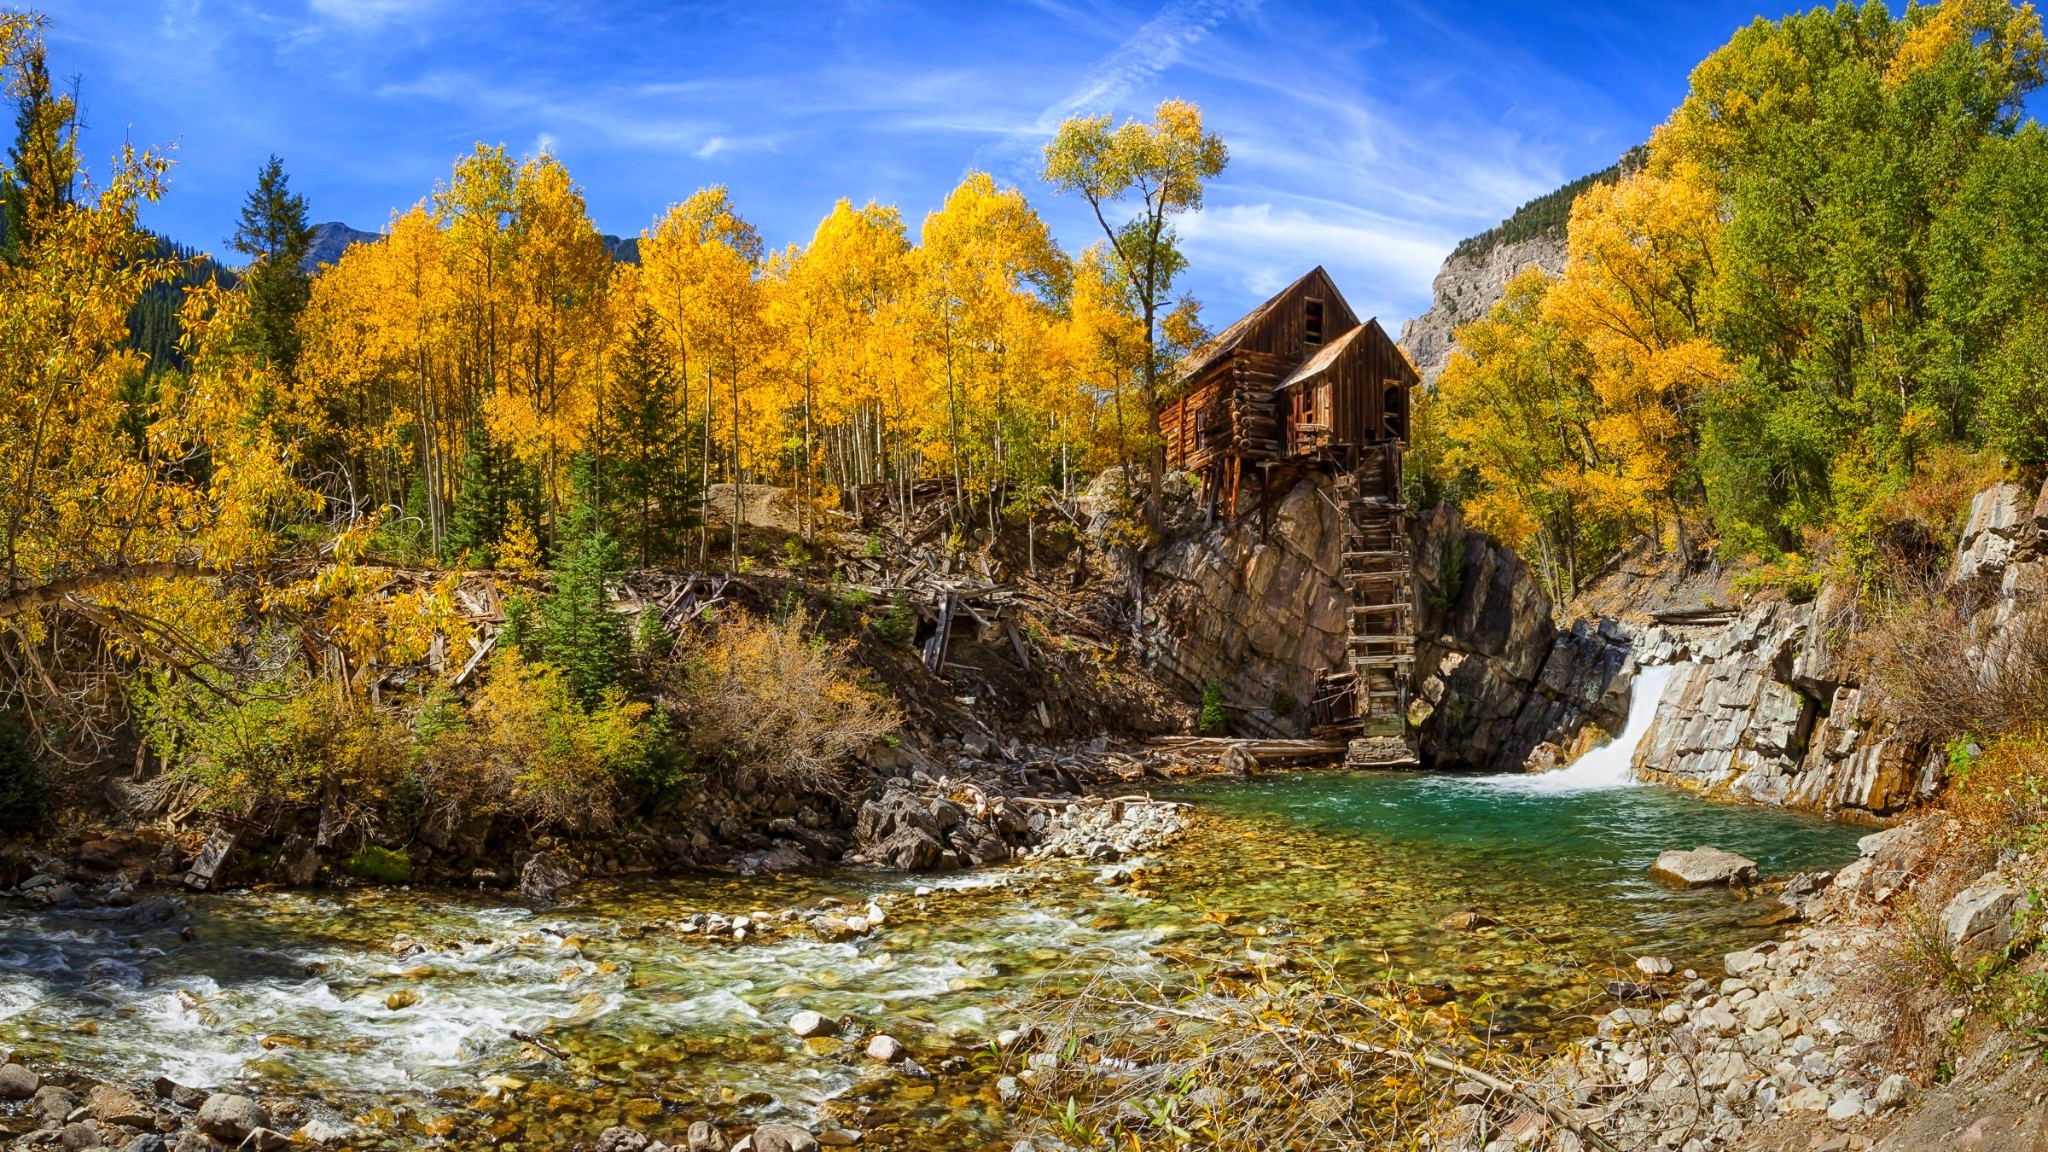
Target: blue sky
(1366, 137)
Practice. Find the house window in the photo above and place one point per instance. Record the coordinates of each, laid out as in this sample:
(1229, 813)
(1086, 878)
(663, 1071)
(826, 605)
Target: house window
(1312, 326)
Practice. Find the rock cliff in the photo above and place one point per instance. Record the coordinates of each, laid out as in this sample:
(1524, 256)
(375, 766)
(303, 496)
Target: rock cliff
(1498, 685)
(1257, 613)
(1765, 709)
(1465, 288)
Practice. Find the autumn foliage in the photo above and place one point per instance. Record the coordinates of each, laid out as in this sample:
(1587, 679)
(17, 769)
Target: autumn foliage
(1828, 270)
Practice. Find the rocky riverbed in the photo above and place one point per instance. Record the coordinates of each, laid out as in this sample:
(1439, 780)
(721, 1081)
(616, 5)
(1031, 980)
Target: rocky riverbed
(435, 1016)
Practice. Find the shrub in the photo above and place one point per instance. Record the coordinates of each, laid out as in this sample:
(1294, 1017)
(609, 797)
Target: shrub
(24, 788)
(898, 625)
(527, 747)
(1212, 722)
(380, 864)
(1940, 670)
(761, 695)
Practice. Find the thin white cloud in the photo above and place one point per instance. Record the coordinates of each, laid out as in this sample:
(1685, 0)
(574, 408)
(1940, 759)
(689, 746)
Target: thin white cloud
(1151, 50)
(712, 147)
(366, 13)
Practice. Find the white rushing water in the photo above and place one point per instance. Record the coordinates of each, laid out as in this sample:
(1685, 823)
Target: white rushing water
(1609, 765)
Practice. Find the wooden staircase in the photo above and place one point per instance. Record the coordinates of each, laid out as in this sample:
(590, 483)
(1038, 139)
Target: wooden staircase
(1369, 694)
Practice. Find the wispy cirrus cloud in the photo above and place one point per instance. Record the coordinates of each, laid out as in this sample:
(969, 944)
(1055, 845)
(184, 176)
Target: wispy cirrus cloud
(1364, 138)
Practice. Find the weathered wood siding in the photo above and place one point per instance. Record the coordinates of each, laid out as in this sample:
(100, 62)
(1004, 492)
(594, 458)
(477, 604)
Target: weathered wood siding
(1360, 381)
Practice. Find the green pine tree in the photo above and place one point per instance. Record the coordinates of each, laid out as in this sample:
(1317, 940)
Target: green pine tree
(494, 483)
(643, 442)
(275, 236)
(577, 630)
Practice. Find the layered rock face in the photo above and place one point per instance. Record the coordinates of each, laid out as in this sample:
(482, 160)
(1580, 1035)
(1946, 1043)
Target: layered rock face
(1767, 711)
(1466, 288)
(1497, 684)
(1258, 614)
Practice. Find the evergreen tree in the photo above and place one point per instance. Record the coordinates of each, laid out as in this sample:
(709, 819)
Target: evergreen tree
(643, 440)
(578, 631)
(42, 166)
(275, 236)
(494, 488)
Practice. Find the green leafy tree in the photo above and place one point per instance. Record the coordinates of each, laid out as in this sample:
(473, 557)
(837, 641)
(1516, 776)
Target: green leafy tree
(275, 236)
(495, 489)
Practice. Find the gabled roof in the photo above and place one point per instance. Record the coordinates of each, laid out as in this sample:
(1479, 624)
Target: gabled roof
(1323, 359)
(1225, 342)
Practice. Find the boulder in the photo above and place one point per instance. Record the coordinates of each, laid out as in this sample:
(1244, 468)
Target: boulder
(808, 1024)
(705, 1137)
(78, 1137)
(232, 1118)
(1703, 867)
(619, 1138)
(885, 1048)
(18, 1083)
(783, 1138)
(546, 874)
(1979, 920)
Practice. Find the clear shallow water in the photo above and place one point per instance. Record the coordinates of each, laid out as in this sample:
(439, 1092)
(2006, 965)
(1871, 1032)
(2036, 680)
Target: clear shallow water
(292, 993)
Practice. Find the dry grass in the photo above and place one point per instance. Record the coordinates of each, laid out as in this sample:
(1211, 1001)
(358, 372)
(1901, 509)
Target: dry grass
(1943, 667)
(1259, 1060)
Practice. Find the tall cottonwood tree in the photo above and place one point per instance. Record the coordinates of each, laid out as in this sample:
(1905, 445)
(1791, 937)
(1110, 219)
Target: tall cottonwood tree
(1163, 167)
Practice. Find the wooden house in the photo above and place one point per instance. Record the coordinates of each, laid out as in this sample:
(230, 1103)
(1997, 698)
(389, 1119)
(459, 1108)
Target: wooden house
(1302, 384)
(1300, 380)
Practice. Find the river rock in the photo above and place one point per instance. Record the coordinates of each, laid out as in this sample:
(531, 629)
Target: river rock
(783, 1138)
(18, 1083)
(1653, 965)
(619, 1138)
(176, 1093)
(78, 1137)
(265, 1140)
(190, 1141)
(147, 1142)
(885, 1048)
(1703, 867)
(1979, 921)
(705, 1137)
(808, 1024)
(546, 874)
(52, 1103)
(231, 1118)
(113, 1105)
(323, 1132)
(1466, 921)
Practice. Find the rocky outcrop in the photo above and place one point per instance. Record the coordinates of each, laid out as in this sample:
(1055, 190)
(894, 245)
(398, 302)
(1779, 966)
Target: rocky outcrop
(1257, 613)
(1497, 683)
(1765, 709)
(1468, 285)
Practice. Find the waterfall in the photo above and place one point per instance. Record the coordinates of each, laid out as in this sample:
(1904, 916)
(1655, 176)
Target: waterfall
(1607, 766)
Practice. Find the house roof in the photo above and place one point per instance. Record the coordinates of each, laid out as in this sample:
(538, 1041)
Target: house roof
(1225, 342)
(1315, 364)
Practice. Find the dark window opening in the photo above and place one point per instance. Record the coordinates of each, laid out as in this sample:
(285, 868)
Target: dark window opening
(1312, 329)
(1394, 414)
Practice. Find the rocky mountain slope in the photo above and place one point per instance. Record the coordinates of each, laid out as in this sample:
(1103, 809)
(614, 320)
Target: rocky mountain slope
(1476, 273)
(1471, 282)
(333, 238)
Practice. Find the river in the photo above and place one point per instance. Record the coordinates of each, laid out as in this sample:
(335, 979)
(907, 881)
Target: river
(394, 1009)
